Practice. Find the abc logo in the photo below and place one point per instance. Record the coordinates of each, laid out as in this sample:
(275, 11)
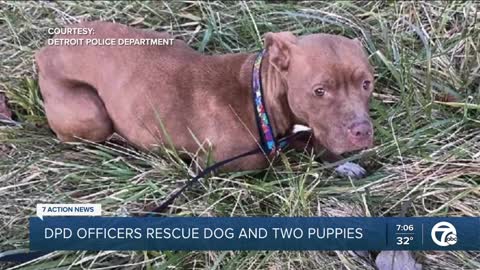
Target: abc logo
(447, 233)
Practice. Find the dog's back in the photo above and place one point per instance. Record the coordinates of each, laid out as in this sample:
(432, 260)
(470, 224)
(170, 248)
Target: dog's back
(81, 84)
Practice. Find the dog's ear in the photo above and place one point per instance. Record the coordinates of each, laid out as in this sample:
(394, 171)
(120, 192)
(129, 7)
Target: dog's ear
(359, 43)
(279, 47)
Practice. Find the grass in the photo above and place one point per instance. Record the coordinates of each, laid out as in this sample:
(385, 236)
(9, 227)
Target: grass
(426, 161)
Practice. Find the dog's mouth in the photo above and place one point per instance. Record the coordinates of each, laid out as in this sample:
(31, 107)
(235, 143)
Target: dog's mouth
(345, 146)
(339, 142)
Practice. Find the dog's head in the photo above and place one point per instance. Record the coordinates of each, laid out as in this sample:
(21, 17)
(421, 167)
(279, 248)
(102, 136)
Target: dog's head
(329, 82)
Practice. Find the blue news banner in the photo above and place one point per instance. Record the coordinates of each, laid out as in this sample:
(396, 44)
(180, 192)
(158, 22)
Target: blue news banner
(253, 233)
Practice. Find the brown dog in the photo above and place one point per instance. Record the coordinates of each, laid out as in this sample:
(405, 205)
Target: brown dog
(177, 97)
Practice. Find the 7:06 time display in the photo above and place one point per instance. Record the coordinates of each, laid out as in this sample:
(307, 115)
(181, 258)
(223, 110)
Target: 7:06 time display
(404, 234)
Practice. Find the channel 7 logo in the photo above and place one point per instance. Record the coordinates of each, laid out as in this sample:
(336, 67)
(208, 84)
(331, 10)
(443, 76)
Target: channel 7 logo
(447, 233)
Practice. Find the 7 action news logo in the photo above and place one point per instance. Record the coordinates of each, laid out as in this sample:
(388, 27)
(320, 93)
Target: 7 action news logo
(447, 233)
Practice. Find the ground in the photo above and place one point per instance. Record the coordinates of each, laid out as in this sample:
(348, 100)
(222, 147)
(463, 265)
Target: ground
(426, 159)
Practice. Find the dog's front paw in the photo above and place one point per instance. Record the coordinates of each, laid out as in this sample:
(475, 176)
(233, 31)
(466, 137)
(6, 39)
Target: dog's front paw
(350, 169)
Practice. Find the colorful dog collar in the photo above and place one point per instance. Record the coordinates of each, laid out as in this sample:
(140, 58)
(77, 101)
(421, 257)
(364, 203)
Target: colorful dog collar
(267, 137)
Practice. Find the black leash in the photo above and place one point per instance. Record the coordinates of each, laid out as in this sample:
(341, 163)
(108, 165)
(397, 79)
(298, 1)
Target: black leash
(162, 207)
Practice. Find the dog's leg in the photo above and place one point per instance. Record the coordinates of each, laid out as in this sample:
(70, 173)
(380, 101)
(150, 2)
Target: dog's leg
(346, 169)
(74, 110)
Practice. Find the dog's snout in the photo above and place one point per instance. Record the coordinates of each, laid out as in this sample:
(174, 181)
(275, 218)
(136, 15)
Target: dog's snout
(360, 129)
(360, 132)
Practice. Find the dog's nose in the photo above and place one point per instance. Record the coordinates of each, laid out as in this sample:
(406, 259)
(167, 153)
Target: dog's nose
(360, 132)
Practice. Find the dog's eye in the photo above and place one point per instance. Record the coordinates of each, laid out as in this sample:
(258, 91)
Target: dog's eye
(319, 91)
(366, 85)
